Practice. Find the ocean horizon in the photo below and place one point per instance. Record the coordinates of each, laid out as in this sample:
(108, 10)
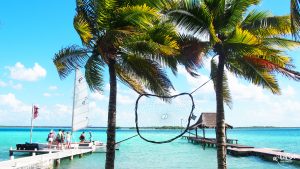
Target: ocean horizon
(179, 154)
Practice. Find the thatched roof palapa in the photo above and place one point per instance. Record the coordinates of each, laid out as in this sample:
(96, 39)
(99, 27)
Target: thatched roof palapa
(207, 120)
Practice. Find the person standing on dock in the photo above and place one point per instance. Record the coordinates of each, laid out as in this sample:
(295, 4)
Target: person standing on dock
(68, 139)
(82, 137)
(50, 139)
(91, 136)
(59, 139)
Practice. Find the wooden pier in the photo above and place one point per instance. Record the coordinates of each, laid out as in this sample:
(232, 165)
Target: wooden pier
(274, 155)
(48, 160)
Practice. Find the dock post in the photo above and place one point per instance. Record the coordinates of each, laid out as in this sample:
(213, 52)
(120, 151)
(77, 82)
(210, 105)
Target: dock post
(33, 154)
(11, 156)
(57, 162)
(71, 157)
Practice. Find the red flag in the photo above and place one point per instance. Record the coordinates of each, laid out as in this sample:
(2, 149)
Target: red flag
(35, 112)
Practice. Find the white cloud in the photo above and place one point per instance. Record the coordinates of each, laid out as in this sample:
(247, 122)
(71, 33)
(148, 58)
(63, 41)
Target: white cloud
(17, 86)
(10, 103)
(46, 94)
(20, 72)
(53, 87)
(98, 96)
(2, 84)
(62, 108)
(239, 90)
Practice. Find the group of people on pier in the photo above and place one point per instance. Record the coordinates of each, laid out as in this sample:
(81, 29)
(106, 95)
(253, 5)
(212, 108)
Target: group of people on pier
(64, 138)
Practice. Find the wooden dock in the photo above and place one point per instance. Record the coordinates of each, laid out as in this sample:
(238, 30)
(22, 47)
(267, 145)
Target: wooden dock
(274, 155)
(48, 160)
(267, 153)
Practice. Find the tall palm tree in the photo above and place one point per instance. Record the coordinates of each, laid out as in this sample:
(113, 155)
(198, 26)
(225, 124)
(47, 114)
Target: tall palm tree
(295, 17)
(130, 38)
(250, 45)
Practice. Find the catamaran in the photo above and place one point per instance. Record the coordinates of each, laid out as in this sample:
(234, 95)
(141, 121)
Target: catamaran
(80, 112)
(80, 119)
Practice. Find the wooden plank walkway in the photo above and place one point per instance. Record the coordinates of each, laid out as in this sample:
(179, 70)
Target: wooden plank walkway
(43, 160)
(275, 155)
(211, 142)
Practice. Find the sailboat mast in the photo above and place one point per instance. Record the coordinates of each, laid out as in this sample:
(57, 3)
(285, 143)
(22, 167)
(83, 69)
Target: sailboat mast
(73, 108)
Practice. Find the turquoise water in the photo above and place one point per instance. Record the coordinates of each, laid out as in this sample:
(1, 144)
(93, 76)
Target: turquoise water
(138, 154)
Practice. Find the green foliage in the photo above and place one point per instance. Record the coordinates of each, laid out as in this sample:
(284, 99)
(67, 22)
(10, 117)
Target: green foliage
(133, 34)
(252, 43)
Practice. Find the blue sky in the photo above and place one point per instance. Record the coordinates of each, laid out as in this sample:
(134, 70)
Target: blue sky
(32, 31)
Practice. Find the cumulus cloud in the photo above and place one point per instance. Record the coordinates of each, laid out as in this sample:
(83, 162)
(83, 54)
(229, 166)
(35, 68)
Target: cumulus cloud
(46, 94)
(53, 88)
(98, 96)
(12, 104)
(62, 108)
(2, 84)
(18, 86)
(20, 72)
(252, 105)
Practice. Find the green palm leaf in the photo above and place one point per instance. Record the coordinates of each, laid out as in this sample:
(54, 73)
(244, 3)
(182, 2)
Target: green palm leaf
(70, 58)
(151, 74)
(83, 28)
(94, 73)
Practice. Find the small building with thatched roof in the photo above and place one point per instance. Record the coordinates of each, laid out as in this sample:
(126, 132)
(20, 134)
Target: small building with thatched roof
(207, 120)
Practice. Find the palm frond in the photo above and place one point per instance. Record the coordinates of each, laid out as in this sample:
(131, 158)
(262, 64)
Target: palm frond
(195, 19)
(277, 63)
(70, 58)
(235, 11)
(94, 73)
(192, 53)
(150, 72)
(264, 25)
(281, 43)
(255, 74)
(140, 15)
(83, 28)
(129, 79)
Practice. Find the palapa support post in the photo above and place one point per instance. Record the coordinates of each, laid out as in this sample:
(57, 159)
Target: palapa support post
(196, 132)
(226, 134)
(203, 132)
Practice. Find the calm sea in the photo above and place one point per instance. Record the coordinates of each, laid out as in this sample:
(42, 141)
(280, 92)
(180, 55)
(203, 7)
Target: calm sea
(138, 154)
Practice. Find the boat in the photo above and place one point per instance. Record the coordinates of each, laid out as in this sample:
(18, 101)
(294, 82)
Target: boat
(80, 113)
(80, 110)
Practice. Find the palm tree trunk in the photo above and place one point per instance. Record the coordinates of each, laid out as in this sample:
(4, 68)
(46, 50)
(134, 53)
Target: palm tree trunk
(111, 123)
(220, 119)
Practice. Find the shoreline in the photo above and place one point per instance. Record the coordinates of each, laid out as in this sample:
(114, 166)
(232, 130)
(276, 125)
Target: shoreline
(100, 127)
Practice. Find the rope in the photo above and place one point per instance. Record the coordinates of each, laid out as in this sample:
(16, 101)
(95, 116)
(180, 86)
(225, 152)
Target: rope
(202, 85)
(126, 139)
(167, 97)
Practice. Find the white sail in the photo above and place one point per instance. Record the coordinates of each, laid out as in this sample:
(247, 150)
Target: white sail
(80, 103)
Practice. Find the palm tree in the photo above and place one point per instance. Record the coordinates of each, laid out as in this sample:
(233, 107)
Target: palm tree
(250, 46)
(295, 17)
(135, 43)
